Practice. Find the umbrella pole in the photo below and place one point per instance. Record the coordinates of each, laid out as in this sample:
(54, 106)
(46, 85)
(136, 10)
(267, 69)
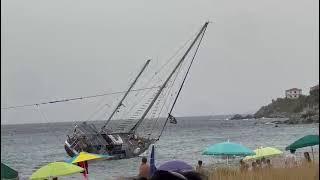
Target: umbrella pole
(227, 160)
(312, 154)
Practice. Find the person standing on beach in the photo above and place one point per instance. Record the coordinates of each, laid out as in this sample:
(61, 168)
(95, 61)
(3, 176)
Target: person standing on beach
(269, 165)
(84, 165)
(254, 166)
(291, 159)
(243, 166)
(307, 160)
(307, 157)
(263, 162)
(144, 169)
(201, 170)
(199, 166)
(259, 164)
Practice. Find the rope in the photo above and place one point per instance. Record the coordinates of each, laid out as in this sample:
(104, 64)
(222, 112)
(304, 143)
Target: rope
(101, 107)
(74, 99)
(42, 114)
(171, 58)
(167, 94)
(46, 119)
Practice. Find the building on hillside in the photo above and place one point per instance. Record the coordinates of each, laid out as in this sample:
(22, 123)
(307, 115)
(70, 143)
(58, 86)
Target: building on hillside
(293, 93)
(316, 87)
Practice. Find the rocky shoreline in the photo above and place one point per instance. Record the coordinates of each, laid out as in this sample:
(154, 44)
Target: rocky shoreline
(305, 117)
(299, 120)
(301, 110)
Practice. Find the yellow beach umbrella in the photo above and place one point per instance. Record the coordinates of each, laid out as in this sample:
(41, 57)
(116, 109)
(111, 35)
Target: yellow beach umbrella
(56, 169)
(264, 152)
(84, 156)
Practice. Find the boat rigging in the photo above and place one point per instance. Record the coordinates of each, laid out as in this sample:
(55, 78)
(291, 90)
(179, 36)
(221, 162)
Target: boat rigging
(126, 140)
(135, 122)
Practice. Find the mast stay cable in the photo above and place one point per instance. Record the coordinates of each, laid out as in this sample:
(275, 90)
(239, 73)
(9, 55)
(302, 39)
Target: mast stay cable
(133, 130)
(192, 60)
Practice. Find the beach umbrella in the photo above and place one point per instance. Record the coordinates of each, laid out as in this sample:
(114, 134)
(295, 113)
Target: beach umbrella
(152, 162)
(84, 156)
(228, 149)
(309, 140)
(175, 166)
(264, 152)
(56, 169)
(8, 173)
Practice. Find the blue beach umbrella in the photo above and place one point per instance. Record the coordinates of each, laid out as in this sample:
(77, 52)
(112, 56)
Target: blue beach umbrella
(228, 149)
(176, 166)
(153, 167)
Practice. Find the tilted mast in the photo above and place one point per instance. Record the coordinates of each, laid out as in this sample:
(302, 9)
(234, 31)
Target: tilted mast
(133, 129)
(184, 79)
(125, 95)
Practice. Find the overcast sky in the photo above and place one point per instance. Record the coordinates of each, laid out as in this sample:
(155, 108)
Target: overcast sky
(252, 52)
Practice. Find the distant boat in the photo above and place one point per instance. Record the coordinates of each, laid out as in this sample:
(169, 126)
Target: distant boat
(269, 123)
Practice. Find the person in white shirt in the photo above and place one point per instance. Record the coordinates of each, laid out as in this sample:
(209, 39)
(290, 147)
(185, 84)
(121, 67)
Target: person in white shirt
(263, 162)
(291, 159)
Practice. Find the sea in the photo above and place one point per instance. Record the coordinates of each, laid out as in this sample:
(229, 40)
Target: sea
(27, 147)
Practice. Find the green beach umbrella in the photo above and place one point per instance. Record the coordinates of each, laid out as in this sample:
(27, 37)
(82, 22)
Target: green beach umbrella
(264, 152)
(309, 140)
(228, 149)
(8, 173)
(56, 169)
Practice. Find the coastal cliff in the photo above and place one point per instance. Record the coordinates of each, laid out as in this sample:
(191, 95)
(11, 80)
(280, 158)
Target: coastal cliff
(304, 109)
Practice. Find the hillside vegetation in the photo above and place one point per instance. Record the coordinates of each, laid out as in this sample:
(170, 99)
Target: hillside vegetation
(304, 107)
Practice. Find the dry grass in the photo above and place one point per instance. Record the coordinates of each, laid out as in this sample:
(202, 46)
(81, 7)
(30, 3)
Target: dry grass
(310, 172)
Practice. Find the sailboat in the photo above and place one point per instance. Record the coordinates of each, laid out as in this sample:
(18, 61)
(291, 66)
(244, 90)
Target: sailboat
(131, 136)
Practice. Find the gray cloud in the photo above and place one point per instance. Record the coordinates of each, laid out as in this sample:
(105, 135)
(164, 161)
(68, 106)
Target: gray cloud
(252, 52)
